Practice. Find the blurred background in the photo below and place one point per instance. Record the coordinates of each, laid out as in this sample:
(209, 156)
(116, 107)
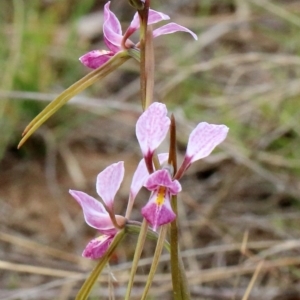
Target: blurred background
(239, 211)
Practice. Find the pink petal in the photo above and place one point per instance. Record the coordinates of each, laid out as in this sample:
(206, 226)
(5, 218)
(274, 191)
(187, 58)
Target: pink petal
(203, 140)
(96, 248)
(171, 28)
(96, 58)
(141, 174)
(94, 212)
(158, 213)
(109, 181)
(152, 127)
(154, 17)
(139, 177)
(163, 178)
(112, 30)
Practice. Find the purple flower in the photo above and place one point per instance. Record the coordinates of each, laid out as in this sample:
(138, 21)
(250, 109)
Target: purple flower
(158, 210)
(96, 214)
(116, 41)
(151, 129)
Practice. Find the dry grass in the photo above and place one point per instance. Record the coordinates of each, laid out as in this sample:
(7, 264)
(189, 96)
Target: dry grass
(239, 209)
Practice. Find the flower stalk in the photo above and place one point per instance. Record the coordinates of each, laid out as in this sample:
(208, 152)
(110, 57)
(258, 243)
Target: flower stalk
(143, 15)
(155, 261)
(136, 257)
(86, 288)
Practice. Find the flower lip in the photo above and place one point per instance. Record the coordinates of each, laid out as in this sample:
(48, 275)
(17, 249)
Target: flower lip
(158, 210)
(97, 247)
(95, 58)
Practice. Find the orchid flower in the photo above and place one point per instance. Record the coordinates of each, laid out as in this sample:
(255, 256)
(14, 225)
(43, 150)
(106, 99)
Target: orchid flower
(151, 129)
(98, 215)
(116, 41)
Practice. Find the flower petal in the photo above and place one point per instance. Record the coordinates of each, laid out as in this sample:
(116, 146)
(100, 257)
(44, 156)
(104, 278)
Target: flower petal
(158, 210)
(203, 140)
(152, 127)
(154, 17)
(171, 28)
(109, 181)
(94, 212)
(96, 58)
(112, 30)
(141, 174)
(163, 178)
(96, 248)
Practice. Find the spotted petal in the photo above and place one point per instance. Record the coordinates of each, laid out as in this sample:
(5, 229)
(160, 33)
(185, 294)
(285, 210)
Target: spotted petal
(203, 140)
(152, 127)
(109, 181)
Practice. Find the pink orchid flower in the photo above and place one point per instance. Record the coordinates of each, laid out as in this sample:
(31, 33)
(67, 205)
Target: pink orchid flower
(113, 36)
(151, 129)
(96, 214)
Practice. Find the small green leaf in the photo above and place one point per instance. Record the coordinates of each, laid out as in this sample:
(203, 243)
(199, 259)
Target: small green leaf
(79, 86)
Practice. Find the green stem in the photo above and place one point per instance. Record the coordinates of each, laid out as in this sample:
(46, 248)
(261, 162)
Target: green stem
(86, 288)
(134, 227)
(179, 281)
(155, 261)
(137, 255)
(142, 44)
(174, 253)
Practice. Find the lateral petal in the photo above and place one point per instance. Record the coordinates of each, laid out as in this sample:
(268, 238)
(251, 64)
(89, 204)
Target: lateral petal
(112, 30)
(203, 140)
(94, 212)
(171, 28)
(153, 17)
(109, 181)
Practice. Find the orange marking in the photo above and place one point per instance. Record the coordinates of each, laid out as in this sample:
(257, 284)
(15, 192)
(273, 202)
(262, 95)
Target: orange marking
(161, 195)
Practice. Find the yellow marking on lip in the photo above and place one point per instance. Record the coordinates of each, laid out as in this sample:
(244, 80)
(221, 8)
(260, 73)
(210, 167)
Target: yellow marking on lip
(161, 195)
